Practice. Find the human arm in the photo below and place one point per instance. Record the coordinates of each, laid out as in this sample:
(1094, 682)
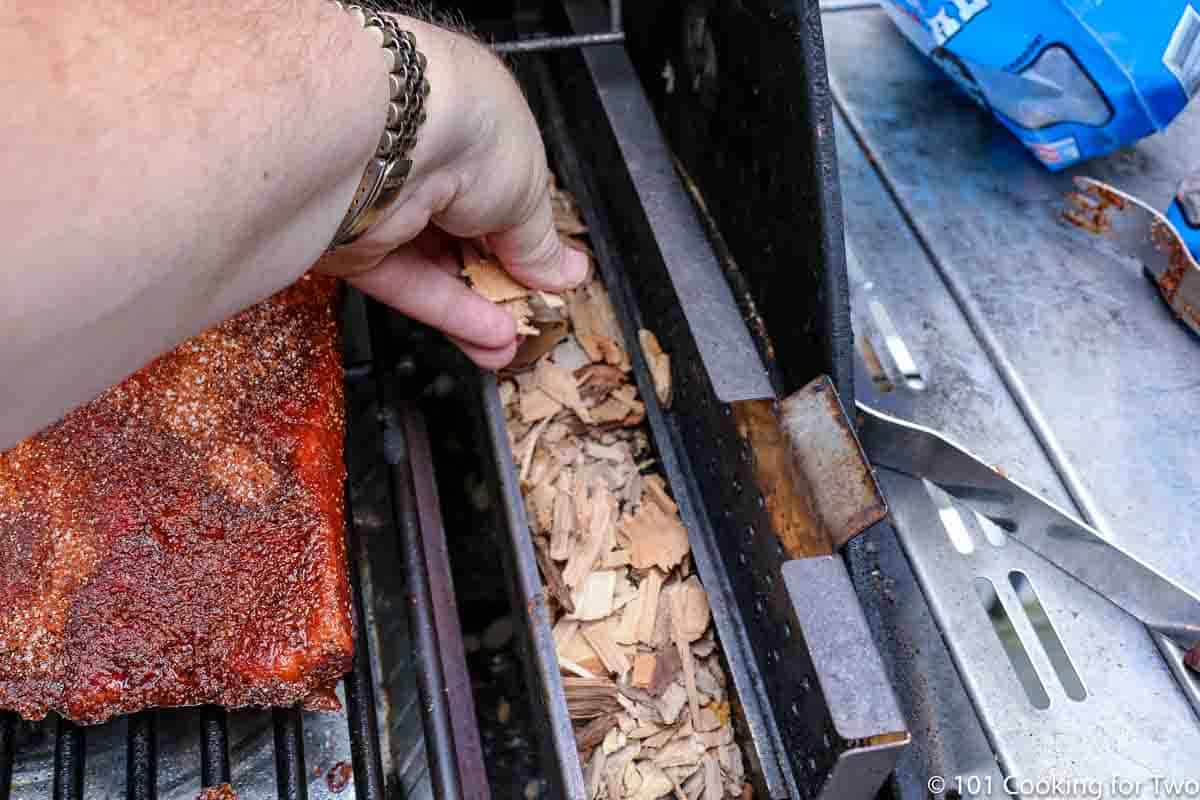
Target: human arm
(167, 164)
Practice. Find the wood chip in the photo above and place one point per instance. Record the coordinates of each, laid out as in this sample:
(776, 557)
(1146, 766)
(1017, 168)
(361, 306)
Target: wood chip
(601, 509)
(730, 758)
(552, 577)
(549, 335)
(671, 703)
(659, 364)
(617, 557)
(705, 647)
(645, 730)
(579, 651)
(508, 392)
(537, 405)
(660, 738)
(690, 613)
(625, 591)
(541, 502)
(656, 492)
(680, 752)
(694, 785)
(706, 684)
(643, 670)
(614, 739)
(689, 677)
(706, 720)
(713, 789)
(595, 732)
(611, 654)
(595, 774)
(588, 698)
(632, 781)
(662, 636)
(656, 538)
(627, 630)
(599, 380)
(618, 763)
(489, 278)
(667, 666)
(654, 783)
(522, 314)
(594, 597)
(560, 385)
(649, 591)
(572, 668)
(716, 738)
(564, 632)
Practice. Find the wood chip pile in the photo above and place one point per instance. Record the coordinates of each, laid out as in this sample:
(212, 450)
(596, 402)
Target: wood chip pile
(643, 678)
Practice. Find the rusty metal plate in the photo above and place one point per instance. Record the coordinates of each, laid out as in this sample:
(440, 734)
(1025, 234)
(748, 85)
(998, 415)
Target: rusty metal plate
(831, 461)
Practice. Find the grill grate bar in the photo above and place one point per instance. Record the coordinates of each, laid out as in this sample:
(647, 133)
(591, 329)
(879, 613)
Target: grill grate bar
(360, 693)
(68, 761)
(214, 746)
(8, 731)
(141, 759)
(290, 773)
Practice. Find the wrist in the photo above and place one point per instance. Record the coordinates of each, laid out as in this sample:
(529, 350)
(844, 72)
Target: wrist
(455, 118)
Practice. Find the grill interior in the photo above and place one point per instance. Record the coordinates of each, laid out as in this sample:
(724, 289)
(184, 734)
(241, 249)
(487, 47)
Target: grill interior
(408, 727)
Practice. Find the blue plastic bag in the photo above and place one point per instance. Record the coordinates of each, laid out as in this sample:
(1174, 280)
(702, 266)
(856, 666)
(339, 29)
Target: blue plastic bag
(1072, 79)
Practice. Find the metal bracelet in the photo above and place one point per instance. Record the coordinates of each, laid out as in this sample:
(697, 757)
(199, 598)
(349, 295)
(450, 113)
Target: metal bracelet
(390, 165)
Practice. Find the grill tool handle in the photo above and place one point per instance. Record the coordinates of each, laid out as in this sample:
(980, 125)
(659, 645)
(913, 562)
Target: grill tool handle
(1184, 213)
(1075, 547)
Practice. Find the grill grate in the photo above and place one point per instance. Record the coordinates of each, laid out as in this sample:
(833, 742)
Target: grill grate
(141, 763)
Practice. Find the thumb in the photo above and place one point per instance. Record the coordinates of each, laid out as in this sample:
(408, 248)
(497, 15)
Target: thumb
(534, 254)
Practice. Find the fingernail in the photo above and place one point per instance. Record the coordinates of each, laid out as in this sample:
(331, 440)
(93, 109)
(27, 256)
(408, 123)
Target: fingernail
(575, 267)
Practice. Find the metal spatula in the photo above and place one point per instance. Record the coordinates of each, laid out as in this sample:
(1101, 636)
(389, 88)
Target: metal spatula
(1072, 545)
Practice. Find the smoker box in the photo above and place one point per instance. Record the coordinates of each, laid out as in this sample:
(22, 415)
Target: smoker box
(697, 136)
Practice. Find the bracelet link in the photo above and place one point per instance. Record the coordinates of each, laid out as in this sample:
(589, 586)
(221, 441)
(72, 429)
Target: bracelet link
(390, 166)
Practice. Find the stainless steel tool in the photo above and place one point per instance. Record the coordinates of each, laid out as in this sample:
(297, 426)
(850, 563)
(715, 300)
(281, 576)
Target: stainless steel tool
(1166, 245)
(1070, 544)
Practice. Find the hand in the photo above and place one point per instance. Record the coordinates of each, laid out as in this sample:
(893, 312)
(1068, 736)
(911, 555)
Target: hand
(479, 170)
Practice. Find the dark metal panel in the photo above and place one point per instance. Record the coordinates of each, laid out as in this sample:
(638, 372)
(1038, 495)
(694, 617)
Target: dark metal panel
(722, 340)
(742, 92)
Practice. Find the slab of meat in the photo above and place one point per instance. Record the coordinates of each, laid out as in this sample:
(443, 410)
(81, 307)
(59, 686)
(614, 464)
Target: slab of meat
(179, 540)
